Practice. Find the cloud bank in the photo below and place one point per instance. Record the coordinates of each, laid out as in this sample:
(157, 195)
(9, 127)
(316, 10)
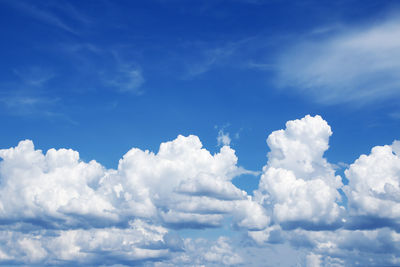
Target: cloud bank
(56, 209)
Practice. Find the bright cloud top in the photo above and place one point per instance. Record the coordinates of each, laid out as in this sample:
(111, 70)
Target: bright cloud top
(357, 65)
(298, 183)
(57, 209)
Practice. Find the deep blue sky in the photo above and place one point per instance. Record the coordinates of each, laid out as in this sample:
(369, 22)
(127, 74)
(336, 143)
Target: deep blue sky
(101, 77)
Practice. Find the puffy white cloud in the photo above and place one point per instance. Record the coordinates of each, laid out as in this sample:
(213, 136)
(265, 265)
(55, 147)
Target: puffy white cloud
(183, 184)
(250, 215)
(184, 181)
(300, 148)
(57, 209)
(299, 188)
(298, 185)
(374, 186)
(47, 187)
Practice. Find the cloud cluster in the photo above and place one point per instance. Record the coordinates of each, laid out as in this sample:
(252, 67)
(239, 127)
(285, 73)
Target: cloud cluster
(182, 186)
(57, 209)
(300, 190)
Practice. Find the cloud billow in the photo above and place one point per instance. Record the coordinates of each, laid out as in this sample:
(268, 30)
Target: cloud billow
(57, 209)
(298, 183)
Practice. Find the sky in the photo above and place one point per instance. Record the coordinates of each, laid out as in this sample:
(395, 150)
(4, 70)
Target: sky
(200, 133)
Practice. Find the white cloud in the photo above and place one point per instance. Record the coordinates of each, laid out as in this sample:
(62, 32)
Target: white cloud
(125, 79)
(57, 209)
(60, 190)
(270, 234)
(140, 241)
(202, 252)
(45, 188)
(250, 215)
(313, 260)
(221, 252)
(181, 172)
(299, 188)
(223, 138)
(374, 185)
(349, 247)
(298, 184)
(206, 184)
(356, 65)
(209, 59)
(55, 200)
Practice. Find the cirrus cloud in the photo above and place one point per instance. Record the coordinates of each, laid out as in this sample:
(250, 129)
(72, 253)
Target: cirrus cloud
(356, 65)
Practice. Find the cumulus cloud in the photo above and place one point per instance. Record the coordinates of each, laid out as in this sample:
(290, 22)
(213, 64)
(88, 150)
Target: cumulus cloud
(356, 65)
(48, 188)
(373, 191)
(298, 185)
(57, 209)
(183, 185)
(299, 189)
(56, 198)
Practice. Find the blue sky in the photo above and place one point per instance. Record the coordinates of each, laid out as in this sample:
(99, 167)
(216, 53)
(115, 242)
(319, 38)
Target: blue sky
(103, 77)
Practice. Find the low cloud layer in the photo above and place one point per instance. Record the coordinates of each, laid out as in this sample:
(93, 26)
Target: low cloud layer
(57, 209)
